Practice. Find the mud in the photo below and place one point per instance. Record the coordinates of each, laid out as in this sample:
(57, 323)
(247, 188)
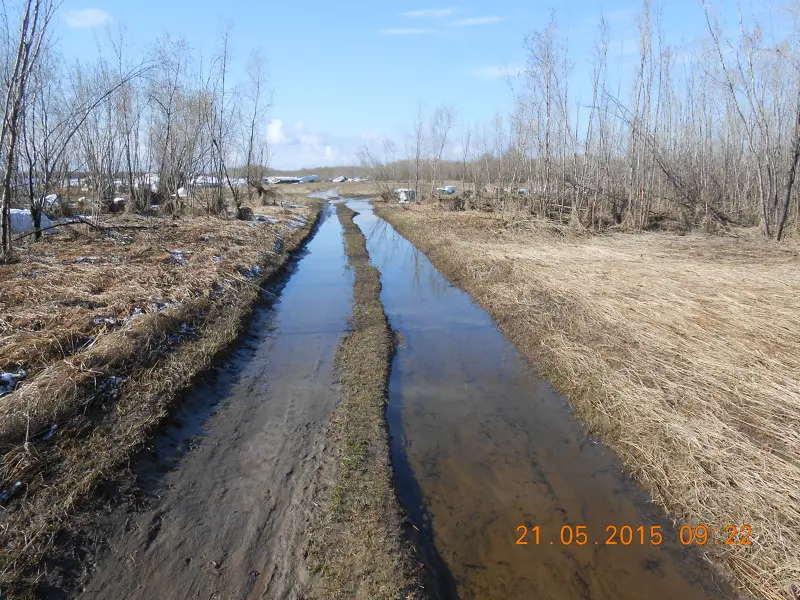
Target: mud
(234, 481)
(482, 446)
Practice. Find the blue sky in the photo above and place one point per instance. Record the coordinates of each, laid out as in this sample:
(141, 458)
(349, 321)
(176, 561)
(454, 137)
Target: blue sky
(348, 72)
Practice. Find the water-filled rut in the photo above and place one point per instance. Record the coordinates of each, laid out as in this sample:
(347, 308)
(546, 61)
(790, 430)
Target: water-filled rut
(232, 480)
(484, 451)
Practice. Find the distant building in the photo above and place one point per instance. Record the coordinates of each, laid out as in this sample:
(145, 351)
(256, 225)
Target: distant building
(275, 180)
(147, 180)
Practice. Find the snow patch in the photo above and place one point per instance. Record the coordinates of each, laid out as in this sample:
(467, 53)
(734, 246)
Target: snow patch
(22, 221)
(9, 381)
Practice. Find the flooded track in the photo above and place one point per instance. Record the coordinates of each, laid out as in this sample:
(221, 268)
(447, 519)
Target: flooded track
(233, 478)
(481, 447)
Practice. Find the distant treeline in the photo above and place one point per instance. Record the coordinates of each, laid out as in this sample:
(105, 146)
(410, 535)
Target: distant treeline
(707, 137)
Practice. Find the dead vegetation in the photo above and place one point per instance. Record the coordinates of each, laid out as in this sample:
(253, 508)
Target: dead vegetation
(103, 330)
(360, 549)
(680, 352)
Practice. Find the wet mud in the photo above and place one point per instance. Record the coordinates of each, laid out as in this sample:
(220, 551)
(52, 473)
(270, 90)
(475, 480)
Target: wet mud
(485, 451)
(233, 480)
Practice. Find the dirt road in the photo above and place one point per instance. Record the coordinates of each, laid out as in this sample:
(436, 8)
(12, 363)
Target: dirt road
(481, 447)
(230, 521)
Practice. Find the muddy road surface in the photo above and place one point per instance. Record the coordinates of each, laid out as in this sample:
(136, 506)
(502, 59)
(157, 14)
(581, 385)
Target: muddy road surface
(234, 477)
(510, 498)
(485, 452)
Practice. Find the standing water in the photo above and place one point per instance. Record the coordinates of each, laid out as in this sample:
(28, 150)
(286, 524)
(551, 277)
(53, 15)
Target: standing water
(487, 455)
(233, 478)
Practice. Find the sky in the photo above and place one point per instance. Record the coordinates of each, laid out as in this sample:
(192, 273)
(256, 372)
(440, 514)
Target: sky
(346, 73)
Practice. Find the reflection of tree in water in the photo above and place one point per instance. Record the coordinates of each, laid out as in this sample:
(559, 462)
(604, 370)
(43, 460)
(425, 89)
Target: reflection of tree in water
(396, 249)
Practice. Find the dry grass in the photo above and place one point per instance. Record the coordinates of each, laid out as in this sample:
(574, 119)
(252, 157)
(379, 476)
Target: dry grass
(106, 345)
(360, 549)
(682, 353)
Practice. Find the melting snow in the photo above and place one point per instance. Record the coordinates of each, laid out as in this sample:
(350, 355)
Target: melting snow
(22, 222)
(8, 381)
(50, 433)
(179, 256)
(250, 273)
(5, 495)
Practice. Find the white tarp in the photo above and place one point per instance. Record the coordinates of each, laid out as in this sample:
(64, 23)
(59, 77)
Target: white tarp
(22, 222)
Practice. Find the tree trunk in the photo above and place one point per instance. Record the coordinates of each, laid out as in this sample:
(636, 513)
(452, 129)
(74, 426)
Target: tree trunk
(36, 216)
(790, 178)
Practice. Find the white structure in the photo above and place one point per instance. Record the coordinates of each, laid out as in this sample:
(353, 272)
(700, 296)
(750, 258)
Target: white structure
(405, 195)
(340, 179)
(274, 180)
(450, 189)
(22, 222)
(206, 181)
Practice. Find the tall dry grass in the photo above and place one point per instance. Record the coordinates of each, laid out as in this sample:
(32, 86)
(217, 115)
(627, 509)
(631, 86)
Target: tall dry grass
(681, 353)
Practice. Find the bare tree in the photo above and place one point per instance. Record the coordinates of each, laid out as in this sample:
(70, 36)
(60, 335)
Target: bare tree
(34, 20)
(257, 95)
(440, 125)
(381, 166)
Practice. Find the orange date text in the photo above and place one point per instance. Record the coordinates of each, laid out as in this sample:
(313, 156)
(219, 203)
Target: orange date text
(627, 535)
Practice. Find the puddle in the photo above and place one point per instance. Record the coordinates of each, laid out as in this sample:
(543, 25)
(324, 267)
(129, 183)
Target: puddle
(482, 446)
(296, 324)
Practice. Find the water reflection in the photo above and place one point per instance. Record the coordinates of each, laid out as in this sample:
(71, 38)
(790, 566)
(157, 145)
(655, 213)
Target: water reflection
(481, 445)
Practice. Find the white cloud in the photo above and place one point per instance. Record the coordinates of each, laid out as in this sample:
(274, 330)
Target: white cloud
(309, 139)
(430, 13)
(86, 18)
(476, 21)
(405, 31)
(294, 145)
(497, 71)
(275, 133)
